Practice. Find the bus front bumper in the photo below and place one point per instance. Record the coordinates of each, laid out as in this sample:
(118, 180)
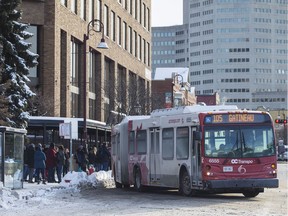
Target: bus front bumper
(241, 184)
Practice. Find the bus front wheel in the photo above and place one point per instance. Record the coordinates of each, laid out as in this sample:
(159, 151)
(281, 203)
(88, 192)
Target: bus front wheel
(250, 194)
(185, 184)
(137, 180)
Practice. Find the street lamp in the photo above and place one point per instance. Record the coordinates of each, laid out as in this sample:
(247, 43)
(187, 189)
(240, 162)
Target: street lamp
(101, 45)
(173, 83)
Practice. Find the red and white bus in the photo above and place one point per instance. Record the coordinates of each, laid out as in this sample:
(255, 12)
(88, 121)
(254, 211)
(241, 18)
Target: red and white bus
(216, 149)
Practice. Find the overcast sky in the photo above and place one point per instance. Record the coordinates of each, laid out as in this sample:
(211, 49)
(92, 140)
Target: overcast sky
(167, 12)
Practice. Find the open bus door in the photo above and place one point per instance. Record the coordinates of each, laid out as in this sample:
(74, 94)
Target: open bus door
(196, 158)
(154, 165)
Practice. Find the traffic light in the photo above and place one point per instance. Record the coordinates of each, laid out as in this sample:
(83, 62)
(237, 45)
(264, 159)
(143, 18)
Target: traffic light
(281, 121)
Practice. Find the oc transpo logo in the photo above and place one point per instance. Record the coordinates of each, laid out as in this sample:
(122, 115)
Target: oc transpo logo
(239, 161)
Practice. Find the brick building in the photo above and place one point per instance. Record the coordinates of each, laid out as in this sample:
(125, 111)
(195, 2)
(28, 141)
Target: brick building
(117, 78)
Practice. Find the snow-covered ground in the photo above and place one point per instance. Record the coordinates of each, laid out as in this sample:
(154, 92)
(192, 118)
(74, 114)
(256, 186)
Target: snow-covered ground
(71, 183)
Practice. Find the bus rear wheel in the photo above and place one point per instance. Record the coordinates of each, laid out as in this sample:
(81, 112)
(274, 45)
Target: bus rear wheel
(185, 184)
(250, 194)
(137, 180)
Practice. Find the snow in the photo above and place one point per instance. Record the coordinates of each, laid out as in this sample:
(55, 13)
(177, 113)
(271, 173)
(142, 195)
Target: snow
(72, 182)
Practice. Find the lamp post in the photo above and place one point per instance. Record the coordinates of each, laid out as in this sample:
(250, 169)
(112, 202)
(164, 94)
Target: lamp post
(101, 45)
(173, 83)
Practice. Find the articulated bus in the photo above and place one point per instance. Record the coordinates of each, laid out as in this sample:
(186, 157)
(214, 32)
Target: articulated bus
(211, 149)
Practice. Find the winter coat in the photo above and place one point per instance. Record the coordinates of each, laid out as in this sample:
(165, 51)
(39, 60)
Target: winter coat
(39, 159)
(60, 157)
(51, 159)
(30, 155)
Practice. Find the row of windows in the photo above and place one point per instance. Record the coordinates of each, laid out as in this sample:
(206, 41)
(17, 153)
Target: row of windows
(197, 73)
(138, 9)
(233, 30)
(235, 80)
(233, 60)
(210, 81)
(238, 100)
(163, 34)
(116, 28)
(235, 90)
(163, 43)
(180, 60)
(282, 51)
(209, 91)
(263, 81)
(163, 61)
(262, 20)
(234, 10)
(263, 70)
(281, 81)
(209, 61)
(233, 70)
(164, 52)
(238, 30)
(275, 100)
(181, 137)
(263, 60)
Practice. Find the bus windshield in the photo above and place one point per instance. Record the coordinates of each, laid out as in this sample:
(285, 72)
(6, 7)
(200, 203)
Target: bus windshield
(238, 141)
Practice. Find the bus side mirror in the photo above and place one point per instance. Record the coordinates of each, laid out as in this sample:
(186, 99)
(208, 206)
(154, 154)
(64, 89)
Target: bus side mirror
(197, 135)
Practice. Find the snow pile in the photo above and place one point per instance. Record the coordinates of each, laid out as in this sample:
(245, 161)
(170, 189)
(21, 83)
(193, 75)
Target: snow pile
(71, 184)
(81, 179)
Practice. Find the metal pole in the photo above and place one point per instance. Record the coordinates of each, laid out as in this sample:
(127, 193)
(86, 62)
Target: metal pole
(84, 93)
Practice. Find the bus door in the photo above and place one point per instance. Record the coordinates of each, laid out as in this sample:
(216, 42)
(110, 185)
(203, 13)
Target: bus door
(154, 165)
(196, 160)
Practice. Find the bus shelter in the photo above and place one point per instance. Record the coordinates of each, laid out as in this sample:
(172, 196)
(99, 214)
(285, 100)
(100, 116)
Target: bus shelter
(11, 156)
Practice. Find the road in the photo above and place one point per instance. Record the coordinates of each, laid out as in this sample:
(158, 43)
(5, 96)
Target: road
(120, 202)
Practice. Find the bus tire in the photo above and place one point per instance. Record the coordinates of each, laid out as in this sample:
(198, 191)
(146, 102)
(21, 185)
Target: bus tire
(250, 194)
(185, 184)
(137, 180)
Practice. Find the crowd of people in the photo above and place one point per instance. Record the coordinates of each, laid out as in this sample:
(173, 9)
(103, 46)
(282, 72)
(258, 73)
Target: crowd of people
(48, 164)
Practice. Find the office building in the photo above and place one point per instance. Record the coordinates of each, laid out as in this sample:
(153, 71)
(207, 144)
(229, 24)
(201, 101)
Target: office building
(238, 48)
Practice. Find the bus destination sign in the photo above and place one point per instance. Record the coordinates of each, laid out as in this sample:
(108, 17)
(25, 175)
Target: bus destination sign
(236, 118)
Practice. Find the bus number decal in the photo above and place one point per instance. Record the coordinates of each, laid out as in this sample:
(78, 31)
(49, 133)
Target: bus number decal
(214, 160)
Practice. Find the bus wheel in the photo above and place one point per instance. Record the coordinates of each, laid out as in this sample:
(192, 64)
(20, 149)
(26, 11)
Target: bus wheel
(252, 193)
(185, 184)
(137, 180)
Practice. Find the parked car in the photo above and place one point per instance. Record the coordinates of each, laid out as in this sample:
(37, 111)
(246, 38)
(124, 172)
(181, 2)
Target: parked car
(283, 155)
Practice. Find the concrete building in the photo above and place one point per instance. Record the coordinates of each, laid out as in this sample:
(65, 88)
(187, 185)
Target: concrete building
(117, 78)
(170, 47)
(237, 48)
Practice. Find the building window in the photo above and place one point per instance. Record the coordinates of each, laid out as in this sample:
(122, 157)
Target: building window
(64, 2)
(119, 36)
(124, 31)
(113, 37)
(74, 6)
(74, 105)
(75, 57)
(83, 9)
(106, 20)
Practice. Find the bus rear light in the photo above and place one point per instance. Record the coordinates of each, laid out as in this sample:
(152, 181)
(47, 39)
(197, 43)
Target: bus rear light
(273, 166)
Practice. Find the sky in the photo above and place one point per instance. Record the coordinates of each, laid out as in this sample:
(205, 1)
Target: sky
(166, 12)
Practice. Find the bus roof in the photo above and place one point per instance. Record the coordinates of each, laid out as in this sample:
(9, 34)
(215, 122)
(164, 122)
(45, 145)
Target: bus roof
(192, 109)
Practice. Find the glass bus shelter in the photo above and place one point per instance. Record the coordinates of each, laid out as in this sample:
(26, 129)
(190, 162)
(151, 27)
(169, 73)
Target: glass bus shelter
(11, 156)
